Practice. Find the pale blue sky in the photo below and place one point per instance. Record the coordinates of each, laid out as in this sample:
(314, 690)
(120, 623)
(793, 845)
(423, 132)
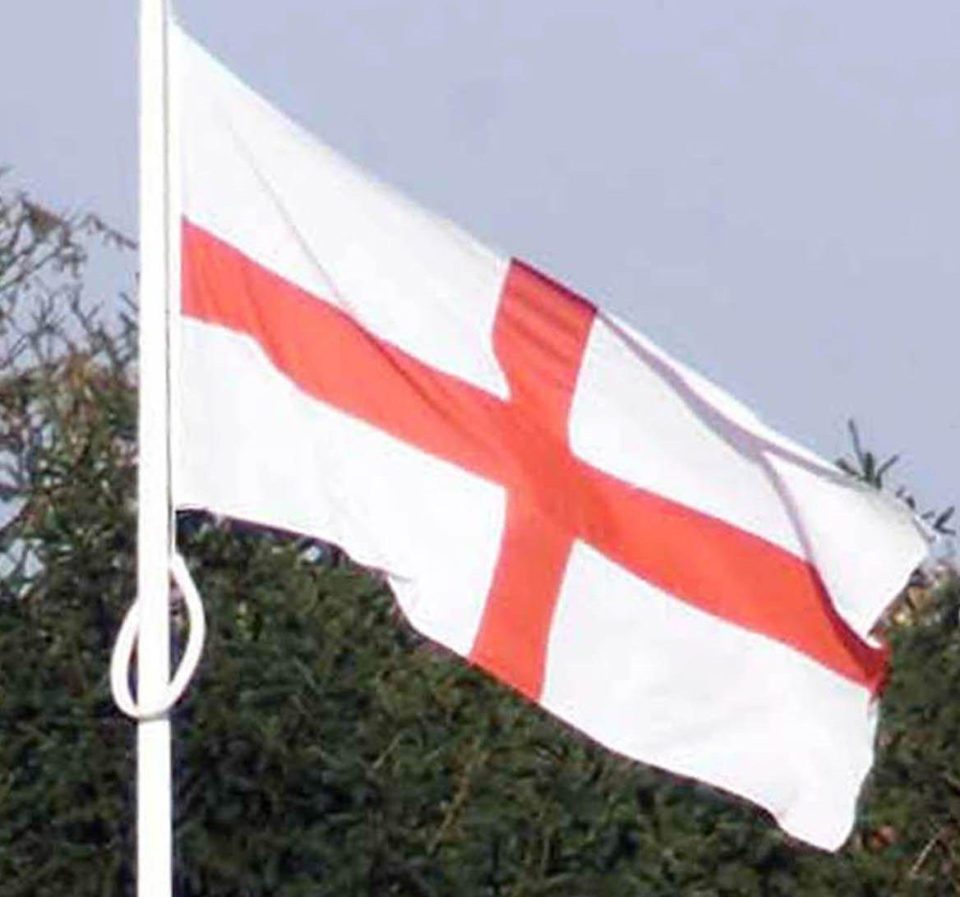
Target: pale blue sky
(769, 189)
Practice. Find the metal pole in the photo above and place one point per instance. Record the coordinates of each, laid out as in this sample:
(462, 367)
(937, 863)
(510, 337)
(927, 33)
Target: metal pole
(154, 800)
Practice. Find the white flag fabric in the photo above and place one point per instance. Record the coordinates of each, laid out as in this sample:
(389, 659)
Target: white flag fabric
(549, 494)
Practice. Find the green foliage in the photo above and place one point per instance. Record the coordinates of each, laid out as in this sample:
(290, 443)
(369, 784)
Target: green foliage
(867, 467)
(326, 749)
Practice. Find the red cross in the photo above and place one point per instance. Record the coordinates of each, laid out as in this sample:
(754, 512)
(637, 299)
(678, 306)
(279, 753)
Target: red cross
(553, 497)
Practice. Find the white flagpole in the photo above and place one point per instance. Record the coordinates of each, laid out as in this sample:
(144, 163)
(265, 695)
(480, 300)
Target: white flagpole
(154, 799)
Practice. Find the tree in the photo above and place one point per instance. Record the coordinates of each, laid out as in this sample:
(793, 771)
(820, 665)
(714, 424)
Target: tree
(325, 748)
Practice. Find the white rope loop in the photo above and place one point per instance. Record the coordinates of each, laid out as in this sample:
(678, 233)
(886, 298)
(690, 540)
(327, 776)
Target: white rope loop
(127, 638)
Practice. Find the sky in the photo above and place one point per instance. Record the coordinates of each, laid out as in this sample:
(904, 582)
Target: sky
(768, 189)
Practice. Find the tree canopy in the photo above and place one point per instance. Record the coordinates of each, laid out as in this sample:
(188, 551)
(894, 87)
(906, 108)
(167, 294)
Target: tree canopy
(325, 748)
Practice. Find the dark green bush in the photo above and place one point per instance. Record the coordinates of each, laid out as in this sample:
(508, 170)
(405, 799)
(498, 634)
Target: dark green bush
(325, 748)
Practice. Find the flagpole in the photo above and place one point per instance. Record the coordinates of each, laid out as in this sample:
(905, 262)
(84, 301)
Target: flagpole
(154, 525)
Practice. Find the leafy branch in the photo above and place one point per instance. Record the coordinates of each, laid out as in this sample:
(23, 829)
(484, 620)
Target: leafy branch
(868, 467)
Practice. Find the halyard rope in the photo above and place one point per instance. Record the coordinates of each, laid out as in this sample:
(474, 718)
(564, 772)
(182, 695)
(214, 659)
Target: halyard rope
(127, 638)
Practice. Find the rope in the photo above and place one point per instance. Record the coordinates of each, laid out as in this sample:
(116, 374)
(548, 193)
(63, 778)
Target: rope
(126, 641)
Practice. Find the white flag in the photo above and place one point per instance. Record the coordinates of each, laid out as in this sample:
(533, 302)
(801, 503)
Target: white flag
(549, 494)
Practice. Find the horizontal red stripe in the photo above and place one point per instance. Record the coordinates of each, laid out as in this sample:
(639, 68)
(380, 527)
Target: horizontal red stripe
(540, 334)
